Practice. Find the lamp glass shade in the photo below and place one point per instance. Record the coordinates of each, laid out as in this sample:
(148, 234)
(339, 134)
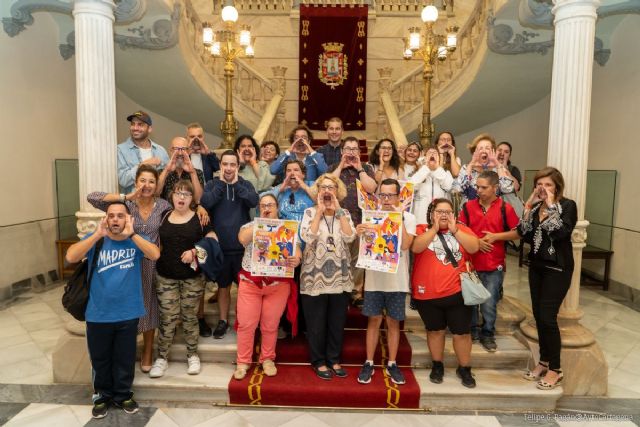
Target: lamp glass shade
(248, 51)
(429, 14)
(229, 14)
(414, 40)
(442, 52)
(408, 53)
(452, 40)
(245, 37)
(207, 35)
(215, 49)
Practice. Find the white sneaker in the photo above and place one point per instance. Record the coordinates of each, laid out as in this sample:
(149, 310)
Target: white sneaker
(193, 363)
(158, 368)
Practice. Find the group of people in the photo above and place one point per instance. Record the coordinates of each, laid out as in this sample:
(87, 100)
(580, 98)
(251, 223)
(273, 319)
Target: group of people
(190, 211)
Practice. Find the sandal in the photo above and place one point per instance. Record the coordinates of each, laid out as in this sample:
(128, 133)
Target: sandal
(532, 376)
(241, 371)
(544, 385)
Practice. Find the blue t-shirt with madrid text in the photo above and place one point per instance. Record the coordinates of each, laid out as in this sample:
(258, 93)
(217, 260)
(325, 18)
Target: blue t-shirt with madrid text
(116, 283)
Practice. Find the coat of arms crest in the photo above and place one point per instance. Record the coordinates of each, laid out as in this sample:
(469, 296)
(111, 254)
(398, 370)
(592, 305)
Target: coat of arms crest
(332, 65)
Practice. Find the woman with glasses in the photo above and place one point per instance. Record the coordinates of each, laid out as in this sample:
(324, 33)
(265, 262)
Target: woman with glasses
(147, 211)
(179, 284)
(325, 279)
(269, 151)
(300, 139)
(261, 300)
(442, 249)
(251, 168)
(385, 161)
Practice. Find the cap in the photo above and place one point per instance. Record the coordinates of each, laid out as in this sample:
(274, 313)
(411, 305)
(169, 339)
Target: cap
(140, 115)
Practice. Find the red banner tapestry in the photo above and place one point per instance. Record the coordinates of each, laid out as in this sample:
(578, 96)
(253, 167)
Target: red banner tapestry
(333, 65)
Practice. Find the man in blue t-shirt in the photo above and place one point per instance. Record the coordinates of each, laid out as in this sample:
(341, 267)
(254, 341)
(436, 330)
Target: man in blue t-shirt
(114, 306)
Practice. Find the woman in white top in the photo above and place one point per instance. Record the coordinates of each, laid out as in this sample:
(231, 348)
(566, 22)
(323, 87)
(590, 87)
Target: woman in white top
(431, 182)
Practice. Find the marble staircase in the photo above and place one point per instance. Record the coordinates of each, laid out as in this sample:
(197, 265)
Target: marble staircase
(498, 374)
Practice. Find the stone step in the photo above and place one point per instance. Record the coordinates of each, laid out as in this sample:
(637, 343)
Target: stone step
(502, 390)
(511, 353)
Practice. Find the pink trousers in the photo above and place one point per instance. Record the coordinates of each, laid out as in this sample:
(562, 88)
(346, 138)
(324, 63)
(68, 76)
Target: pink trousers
(259, 305)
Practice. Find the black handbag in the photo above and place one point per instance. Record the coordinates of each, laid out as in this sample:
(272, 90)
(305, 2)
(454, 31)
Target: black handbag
(76, 291)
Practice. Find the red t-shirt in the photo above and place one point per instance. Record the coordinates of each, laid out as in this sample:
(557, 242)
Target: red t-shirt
(493, 222)
(433, 274)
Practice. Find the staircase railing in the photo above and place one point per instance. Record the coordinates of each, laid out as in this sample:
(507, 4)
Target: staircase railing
(253, 92)
(407, 92)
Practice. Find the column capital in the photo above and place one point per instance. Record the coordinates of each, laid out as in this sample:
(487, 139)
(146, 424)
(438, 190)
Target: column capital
(572, 9)
(105, 8)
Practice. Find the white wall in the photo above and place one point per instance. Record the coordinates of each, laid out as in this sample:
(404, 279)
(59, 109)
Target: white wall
(615, 127)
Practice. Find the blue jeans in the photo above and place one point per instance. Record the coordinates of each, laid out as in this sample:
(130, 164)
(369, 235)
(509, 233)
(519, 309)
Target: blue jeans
(492, 280)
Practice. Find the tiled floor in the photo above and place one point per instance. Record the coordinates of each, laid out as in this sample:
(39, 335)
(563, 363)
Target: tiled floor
(30, 328)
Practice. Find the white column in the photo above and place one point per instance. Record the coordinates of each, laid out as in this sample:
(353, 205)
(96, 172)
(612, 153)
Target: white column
(96, 104)
(575, 22)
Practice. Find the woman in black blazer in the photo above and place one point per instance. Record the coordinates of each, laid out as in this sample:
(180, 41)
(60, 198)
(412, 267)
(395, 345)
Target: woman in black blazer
(547, 224)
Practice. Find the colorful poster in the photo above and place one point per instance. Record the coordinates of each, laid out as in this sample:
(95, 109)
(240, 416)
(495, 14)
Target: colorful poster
(380, 246)
(273, 241)
(368, 201)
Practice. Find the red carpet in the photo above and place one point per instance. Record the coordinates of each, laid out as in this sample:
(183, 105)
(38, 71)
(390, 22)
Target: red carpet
(298, 385)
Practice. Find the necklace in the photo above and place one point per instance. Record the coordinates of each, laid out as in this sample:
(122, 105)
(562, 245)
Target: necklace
(331, 245)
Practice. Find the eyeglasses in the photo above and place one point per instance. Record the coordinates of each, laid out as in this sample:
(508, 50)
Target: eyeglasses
(183, 194)
(302, 137)
(327, 187)
(351, 149)
(387, 195)
(179, 148)
(267, 205)
(441, 212)
(385, 149)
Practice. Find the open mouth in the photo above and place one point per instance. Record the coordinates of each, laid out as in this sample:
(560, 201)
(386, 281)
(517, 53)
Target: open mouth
(326, 198)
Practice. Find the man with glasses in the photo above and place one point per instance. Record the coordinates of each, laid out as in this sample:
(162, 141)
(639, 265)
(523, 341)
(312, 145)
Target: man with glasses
(350, 169)
(332, 150)
(180, 167)
(387, 292)
(300, 139)
(138, 149)
(486, 215)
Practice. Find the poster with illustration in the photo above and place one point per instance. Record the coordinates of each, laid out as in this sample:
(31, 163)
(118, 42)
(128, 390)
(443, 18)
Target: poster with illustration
(368, 201)
(380, 246)
(273, 241)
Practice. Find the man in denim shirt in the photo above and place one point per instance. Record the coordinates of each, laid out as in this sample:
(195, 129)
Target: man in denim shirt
(138, 149)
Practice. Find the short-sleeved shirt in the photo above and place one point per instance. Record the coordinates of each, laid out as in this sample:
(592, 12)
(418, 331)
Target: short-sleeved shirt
(116, 282)
(492, 221)
(433, 274)
(174, 240)
(393, 282)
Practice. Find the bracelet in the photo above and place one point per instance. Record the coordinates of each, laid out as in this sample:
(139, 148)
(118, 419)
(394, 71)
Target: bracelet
(528, 206)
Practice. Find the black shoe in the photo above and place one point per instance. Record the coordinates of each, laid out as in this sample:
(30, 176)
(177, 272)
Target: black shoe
(437, 372)
(366, 372)
(475, 337)
(339, 372)
(325, 375)
(464, 373)
(489, 344)
(221, 329)
(205, 330)
(412, 304)
(100, 410)
(129, 406)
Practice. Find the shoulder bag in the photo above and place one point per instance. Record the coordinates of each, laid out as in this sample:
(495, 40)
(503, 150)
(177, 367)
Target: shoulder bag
(76, 291)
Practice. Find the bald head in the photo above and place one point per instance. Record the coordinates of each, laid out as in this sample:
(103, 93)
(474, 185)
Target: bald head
(179, 149)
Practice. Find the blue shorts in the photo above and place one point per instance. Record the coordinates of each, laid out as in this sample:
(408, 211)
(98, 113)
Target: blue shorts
(392, 302)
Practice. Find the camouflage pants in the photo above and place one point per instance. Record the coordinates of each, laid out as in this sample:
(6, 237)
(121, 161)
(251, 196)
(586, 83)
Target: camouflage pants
(178, 299)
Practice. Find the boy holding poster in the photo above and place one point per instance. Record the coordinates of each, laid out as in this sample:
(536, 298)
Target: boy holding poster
(387, 291)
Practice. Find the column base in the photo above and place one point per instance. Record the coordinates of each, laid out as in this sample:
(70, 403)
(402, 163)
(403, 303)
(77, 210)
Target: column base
(88, 222)
(585, 368)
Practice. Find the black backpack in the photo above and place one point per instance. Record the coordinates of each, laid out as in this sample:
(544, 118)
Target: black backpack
(76, 291)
